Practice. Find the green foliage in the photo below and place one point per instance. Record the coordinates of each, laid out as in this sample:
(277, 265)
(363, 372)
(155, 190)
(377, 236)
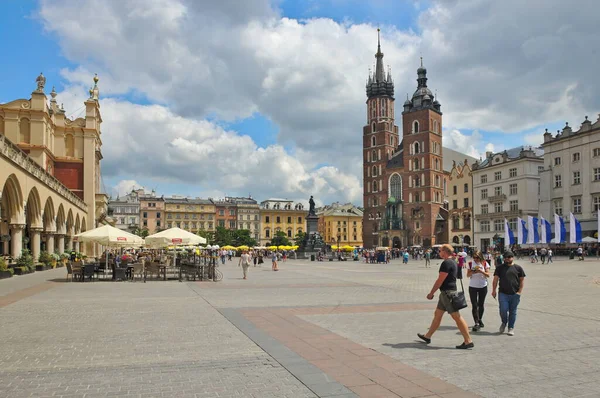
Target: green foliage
(280, 239)
(3, 265)
(223, 237)
(242, 237)
(25, 260)
(141, 232)
(209, 236)
(299, 238)
(45, 258)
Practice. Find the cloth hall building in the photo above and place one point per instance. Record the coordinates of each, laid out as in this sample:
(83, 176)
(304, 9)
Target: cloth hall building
(405, 177)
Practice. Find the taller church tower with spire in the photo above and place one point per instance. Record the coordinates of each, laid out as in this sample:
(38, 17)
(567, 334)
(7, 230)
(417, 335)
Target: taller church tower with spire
(380, 138)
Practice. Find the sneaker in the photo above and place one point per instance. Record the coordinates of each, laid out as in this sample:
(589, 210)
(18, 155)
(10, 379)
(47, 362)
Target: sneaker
(481, 325)
(425, 339)
(502, 328)
(475, 328)
(511, 332)
(464, 346)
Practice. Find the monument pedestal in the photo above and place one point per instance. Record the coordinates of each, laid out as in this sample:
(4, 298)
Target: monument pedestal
(311, 245)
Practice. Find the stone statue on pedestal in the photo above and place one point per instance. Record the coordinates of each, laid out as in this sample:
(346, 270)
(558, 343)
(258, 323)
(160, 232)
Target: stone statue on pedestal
(311, 210)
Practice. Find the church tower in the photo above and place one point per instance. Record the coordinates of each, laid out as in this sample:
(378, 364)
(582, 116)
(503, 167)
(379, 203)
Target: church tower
(380, 138)
(423, 168)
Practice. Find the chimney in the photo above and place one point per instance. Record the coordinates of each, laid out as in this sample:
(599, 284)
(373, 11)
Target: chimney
(488, 154)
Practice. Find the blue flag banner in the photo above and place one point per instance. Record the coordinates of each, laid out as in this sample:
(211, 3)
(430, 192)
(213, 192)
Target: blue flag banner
(509, 236)
(532, 227)
(546, 231)
(560, 232)
(574, 229)
(521, 231)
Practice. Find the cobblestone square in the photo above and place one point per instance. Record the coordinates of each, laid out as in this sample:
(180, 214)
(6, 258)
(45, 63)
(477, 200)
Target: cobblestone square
(312, 329)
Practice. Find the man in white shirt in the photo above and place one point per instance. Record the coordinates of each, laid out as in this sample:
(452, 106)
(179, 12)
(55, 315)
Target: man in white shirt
(245, 263)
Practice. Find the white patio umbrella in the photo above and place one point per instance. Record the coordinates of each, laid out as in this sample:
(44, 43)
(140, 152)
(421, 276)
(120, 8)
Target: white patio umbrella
(174, 237)
(109, 236)
(589, 239)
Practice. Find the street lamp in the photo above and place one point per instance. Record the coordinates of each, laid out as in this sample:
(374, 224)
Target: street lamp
(339, 238)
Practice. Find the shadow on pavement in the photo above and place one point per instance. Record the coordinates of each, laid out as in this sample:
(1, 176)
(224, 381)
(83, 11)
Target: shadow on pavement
(416, 344)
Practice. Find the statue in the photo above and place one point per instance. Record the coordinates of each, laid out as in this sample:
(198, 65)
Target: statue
(41, 82)
(311, 210)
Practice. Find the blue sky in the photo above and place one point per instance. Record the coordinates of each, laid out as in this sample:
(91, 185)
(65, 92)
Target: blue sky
(475, 119)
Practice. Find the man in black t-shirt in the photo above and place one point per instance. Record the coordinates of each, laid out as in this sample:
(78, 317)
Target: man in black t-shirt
(511, 278)
(446, 283)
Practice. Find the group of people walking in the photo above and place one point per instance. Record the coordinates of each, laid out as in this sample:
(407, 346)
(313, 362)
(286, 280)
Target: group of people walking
(248, 257)
(507, 287)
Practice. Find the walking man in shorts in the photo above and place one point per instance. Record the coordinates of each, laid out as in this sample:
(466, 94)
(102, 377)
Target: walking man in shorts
(446, 283)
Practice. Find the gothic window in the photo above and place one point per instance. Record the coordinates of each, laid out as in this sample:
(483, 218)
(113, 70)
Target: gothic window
(417, 182)
(25, 131)
(415, 164)
(373, 141)
(374, 156)
(69, 145)
(374, 171)
(416, 148)
(437, 164)
(435, 126)
(375, 202)
(396, 187)
(415, 127)
(375, 186)
(373, 127)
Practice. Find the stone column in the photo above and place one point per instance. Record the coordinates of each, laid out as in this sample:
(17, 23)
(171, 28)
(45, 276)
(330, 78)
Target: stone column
(69, 244)
(61, 243)
(35, 243)
(50, 248)
(16, 240)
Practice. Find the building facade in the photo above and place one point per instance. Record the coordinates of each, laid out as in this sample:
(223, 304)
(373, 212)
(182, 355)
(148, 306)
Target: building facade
(460, 204)
(404, 178)
(126, 211)
(506, 185)
(570, 180)
(341, 223)
(193, 215)
(152, 212)
(248, 213)
(49, 173)
(226, 213)
(281, 215)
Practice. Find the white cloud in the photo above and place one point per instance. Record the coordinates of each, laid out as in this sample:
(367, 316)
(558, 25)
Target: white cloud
(123, 187)
(471, 145)
(498, 66)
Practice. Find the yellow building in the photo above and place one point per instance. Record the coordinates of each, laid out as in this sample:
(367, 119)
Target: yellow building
(460, 206)
(190, 214)
(341, 221)
(49, 174)
(281, 215)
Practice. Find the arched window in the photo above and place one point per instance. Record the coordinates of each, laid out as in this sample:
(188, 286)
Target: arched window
(417, 197)
(374, 171)
(375, 186)
(415, 164)
(375, 202)
(373, 127)
(437, 164)
(417, 182)
(373, 141)
(25, 131)
(435, 126)
(396, 187)
(374, 156)
(415, 127)
(416, 148)
(69, 145)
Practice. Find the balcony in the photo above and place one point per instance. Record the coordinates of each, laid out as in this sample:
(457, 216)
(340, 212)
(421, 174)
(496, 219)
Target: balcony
(497, 198)
(501, 214)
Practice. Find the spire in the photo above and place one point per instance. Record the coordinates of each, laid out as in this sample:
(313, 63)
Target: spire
(379, 72)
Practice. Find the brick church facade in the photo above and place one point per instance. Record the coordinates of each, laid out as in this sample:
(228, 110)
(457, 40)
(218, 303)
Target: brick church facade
(403, 177)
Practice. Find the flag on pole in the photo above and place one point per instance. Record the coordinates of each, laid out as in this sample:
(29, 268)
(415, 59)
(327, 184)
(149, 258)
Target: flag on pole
(574, 229)
(521, 231)
(532, 227)
(546, 236)
(560, 232)
(509, 236)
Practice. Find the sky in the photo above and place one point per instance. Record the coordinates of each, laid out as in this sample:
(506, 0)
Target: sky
(267, 97)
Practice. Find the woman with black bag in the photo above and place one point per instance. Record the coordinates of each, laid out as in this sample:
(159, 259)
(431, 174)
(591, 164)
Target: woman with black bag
(450, 300)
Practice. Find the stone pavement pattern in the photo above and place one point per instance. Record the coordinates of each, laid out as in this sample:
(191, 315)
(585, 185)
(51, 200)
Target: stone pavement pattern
(200, 339)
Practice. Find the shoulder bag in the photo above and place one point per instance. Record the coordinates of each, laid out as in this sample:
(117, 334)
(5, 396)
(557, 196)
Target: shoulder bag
(459, 301)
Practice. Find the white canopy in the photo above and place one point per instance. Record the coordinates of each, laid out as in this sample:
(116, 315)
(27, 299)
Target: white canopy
(589, 239)
(174, 237)
(107, 235)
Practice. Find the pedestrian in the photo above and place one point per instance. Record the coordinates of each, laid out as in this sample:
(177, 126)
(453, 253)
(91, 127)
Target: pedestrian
(535, 255)
(446, 283)
(479, 272)
(550, 253)
(580, 253)
(274, 261)
(511, 278)
(405, 257)
(245, 263)
(543, 253)
(428, 258)
(254, 258)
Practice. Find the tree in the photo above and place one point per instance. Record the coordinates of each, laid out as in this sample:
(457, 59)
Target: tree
(299, 238)
(142, 232)
(280, 239)
(209, 236)
(222, 237)
(242, 237)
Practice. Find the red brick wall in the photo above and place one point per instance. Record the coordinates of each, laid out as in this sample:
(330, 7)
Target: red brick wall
(70, 174)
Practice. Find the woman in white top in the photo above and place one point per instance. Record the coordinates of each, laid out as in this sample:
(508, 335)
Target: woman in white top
(479, 272)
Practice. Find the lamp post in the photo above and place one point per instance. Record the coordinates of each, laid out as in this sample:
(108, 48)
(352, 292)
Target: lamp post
(339, 238)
